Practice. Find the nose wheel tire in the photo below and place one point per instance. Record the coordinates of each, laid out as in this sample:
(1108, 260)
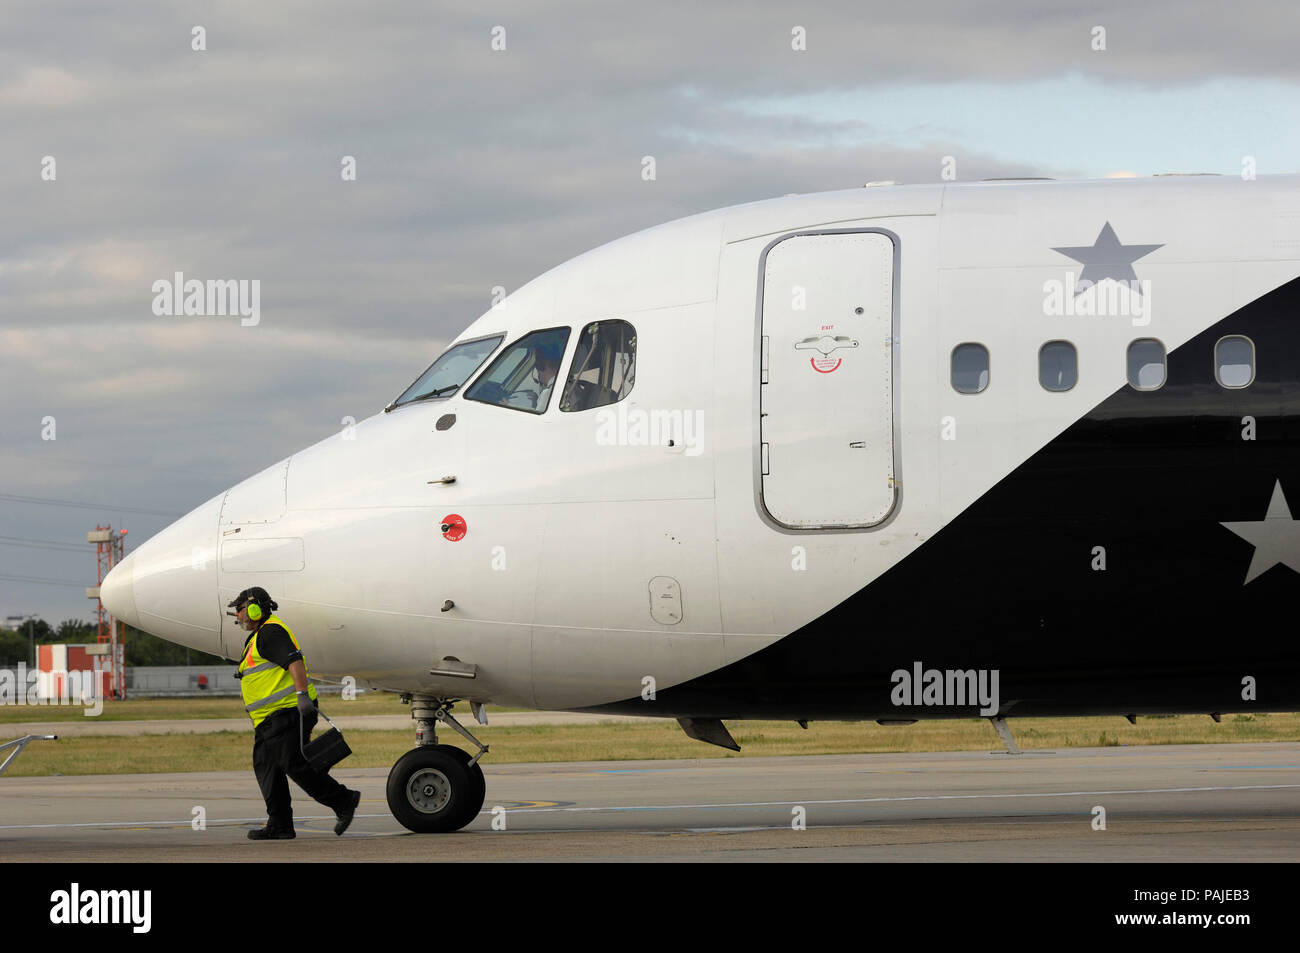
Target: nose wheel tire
(433, 789)
(478, 786)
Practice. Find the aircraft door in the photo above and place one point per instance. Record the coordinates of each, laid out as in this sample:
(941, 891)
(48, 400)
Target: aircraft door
(827, 379)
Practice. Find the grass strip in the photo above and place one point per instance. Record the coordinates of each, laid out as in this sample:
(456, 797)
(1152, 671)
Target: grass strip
(232, 751)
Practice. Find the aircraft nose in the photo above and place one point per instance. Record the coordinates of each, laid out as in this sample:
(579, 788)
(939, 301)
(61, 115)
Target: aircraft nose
(168, 587)
(117, 592)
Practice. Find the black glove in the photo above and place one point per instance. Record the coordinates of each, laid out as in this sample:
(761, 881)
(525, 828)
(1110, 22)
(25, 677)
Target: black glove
(305, 705)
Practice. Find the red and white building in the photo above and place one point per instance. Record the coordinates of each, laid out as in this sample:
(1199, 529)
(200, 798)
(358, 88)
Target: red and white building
(55, 661)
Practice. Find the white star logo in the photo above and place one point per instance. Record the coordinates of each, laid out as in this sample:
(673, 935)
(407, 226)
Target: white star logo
(1276, 537)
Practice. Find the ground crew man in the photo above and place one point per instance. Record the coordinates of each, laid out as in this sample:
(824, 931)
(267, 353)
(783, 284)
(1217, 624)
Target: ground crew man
(282, 703)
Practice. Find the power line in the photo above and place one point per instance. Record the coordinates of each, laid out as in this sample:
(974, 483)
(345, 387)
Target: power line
(44, 582)
(75, 461)
(56, 549)
(45, 544)
(52, 542)
(47, 501)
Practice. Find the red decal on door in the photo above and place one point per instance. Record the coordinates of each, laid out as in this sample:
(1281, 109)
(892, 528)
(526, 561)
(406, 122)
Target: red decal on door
(824, 365)
(453, 528)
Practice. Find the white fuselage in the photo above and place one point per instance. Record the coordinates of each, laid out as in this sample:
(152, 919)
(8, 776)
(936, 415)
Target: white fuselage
(595, 554)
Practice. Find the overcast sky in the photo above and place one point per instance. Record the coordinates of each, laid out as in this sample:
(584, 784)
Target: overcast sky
(475, 168)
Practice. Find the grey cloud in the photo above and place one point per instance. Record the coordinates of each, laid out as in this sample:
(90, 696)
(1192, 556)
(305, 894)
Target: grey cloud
(475, 169)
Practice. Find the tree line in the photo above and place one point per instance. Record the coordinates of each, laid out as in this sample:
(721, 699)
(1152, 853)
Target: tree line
(141, 648)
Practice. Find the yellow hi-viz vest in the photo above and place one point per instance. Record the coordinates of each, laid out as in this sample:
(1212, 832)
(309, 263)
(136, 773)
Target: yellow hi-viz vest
(266, 686)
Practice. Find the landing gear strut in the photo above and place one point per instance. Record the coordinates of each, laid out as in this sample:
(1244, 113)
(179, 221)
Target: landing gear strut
(435, 788)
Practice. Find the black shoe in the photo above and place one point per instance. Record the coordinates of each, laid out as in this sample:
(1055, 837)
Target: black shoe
(267, 833)
(345, 815)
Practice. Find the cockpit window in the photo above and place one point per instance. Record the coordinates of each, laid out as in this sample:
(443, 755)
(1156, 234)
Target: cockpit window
(604, 366)
(450, 370)
(523, 377)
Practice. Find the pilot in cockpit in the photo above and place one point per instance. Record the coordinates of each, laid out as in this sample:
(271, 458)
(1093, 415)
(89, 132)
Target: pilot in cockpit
(535, 393)
(524, 375)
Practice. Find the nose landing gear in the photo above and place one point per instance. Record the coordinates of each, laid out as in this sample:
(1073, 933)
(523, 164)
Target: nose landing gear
(436, 788)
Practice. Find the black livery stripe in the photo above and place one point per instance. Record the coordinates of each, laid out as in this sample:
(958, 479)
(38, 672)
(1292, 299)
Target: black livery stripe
(1169, 626)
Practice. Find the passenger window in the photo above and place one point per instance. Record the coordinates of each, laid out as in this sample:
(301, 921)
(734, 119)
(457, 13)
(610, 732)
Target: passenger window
(1146, 364)
(604, 366)
(970, 368)
(1234, 361)
(523, 377)
(1058, 365)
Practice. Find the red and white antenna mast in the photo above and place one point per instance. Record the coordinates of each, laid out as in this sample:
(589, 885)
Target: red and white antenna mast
(109, 551)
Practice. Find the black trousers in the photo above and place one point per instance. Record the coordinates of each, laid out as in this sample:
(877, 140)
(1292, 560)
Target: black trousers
(277, 757)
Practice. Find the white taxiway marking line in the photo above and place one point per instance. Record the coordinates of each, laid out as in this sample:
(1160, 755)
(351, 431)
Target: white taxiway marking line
(184, 823)
(877, 800)
(684, 807)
